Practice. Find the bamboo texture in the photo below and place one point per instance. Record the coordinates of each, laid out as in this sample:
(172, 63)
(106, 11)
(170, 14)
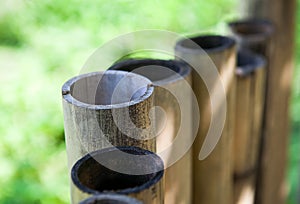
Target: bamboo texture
(99, 111)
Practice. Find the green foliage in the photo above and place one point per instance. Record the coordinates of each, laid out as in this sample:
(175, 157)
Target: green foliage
(10, 33)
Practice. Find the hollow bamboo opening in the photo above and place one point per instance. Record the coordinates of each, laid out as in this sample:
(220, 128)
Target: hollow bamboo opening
(107, 88)
(208, 43)
(248, 62)
(158, 71)
(94, 173)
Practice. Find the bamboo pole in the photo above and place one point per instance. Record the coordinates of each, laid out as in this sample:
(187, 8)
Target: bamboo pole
(173, 95)
(271, 186)
(102, 108)
(250, 98)
(110, 199)
(212, 181)
(102, 172)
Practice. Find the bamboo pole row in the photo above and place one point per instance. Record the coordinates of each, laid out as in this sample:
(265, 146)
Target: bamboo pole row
(109, 112)
(271, 182)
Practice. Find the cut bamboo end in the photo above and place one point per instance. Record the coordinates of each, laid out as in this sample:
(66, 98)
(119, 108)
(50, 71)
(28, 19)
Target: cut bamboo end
(160, 72)
(212, 181)
(173, 96)
(110, 199)
(129, 171)
(104, 109)
(98, 89)
(248, 63)
(208, 43)
(250, 100)
(252, 34)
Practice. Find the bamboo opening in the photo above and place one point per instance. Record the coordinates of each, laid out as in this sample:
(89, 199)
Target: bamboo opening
(107, 88)
(158, 71)
(209, 43)
(248, 62)
(91, 176)
(252, 28)
(110, 199)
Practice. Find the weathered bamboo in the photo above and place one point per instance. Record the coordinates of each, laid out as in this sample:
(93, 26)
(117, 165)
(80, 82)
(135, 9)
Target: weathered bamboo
(110, 199)
(271, 186)
(250, 98)
(212, 181)
(102, 108)
(173, 95)
(102, 172)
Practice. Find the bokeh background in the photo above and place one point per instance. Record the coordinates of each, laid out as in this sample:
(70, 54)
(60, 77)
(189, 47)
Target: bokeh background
(44, 43)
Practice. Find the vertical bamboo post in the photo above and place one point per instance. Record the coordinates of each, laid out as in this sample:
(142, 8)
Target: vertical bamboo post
(212, 181)
(110, 199)
(271, 183)
(103, 109)
(250, 98)
(130, 171)
(170, 77)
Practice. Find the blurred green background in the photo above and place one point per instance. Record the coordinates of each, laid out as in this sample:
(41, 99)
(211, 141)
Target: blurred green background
(44, 43)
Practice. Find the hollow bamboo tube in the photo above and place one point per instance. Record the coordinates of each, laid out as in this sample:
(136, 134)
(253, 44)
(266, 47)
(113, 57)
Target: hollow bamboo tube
(102, 108)
(173, 95)
(212, 181)
(253, 34)
(130, 171)
(110, 199)
(250, 99)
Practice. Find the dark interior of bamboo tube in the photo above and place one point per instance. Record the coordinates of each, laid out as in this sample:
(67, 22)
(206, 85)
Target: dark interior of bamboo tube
(91, 176)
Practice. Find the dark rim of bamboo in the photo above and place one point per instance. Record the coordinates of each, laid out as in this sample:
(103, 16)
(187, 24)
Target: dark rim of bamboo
(110, 199)
(252, 29)
(174, 66)
(114, 76)
(208, 43)
(248, 62)
(108, 180)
